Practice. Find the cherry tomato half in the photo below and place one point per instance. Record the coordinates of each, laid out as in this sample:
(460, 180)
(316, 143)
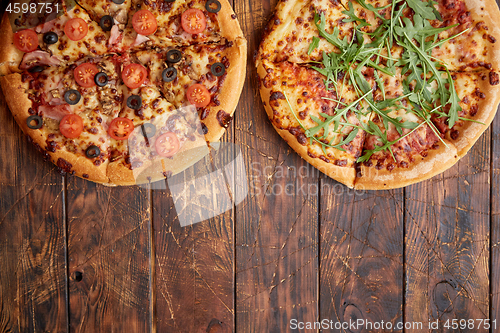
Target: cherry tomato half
(76, 29)
(193, 21)
(198, 95)
(121, 128)
(144, 22)
(167, 144)
(71, 126)
(84, 74)
(26, 40)
(134, 75)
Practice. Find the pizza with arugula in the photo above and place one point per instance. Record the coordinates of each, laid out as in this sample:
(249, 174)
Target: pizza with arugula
(381, 94)
(123, 91)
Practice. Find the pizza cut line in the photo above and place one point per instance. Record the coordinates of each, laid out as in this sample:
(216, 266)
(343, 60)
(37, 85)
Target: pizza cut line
(381, 94)
(122, 92)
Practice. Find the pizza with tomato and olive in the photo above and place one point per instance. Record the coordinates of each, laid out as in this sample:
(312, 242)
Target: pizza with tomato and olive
(381, 94)
(124, 91)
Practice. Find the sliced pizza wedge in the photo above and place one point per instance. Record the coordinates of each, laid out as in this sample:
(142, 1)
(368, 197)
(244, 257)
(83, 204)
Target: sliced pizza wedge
(325, 131)
(99, 9)
(476, 108)
(402, 144)
(414, 142)
(208, 76)
(112, 16)
(67, 111)
(74, 139)
(151, 138)
(292, 34)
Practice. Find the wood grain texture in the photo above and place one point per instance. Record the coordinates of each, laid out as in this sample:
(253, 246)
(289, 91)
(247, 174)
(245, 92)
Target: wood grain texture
(173, 265)
(276, 242)
(33, 293)
(109, 248)
(495, 223)
(447, 242)
(361, 261)
(276, 234)
(194, 255)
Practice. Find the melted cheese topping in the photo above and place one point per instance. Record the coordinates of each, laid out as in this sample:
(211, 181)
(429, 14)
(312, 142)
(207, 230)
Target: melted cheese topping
(94, 43)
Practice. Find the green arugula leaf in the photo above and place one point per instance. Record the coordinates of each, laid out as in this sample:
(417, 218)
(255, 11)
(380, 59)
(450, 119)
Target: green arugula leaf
(352, 135)
(371, 8)
(314, 44)
(425, 9)
(434, 10)
(331, 38)
(353, 18)
(454, 102)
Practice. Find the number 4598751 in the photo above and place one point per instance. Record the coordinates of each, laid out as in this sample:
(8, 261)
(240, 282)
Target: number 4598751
(456, 324)
(32, 8)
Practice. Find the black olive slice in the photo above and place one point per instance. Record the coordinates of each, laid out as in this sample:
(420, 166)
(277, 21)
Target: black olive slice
(101, 79)
(210, 8)
(72, 97)
(118, 2)
(106, 23)
(169, 74)
(50, 38)
(93, 151)
(36, 69)
(34, 122)
(174, 56)
(134, 102)
(148, 130)
(218, 69)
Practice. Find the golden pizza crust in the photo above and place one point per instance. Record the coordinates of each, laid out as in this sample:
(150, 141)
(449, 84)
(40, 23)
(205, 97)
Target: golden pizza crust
(10, 56)
(345, 175)
(436, 161)
(469, 132)
(119, 173)
(228, 22)
(19, 104)
(230, 92)
(190, 153)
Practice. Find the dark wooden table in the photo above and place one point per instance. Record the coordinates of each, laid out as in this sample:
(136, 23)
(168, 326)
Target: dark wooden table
(81, 257)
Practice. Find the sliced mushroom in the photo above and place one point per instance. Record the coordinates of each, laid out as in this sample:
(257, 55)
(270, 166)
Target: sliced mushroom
(121, 16)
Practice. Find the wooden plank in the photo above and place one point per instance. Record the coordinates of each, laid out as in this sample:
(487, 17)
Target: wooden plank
(276, 240)
(174, 252)
(109, 249)
(447, 242)
(277, 224)
(361, 257)
(33, 290)
(495, 224)
(194, 256)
